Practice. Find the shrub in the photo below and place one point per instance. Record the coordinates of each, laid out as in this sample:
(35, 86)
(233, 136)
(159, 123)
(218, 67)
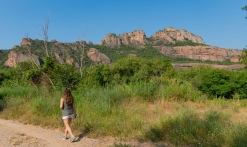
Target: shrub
(241, 83)
(131, 69)
(217, 83)
(180, 90)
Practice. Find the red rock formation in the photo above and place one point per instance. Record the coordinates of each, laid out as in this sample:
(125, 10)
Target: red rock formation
(171, 35)
(96, 56)
(136, 39)
(201, 52)
(26, 41)
(14, 58)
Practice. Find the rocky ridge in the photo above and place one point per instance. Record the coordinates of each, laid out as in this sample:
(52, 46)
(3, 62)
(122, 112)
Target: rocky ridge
(14, 58)
(63, 52)
(171, 35)
(164, 41)
(96, 56)
(136, 39)
(201, 53)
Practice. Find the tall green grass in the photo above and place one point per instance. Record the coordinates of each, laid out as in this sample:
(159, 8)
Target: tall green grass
(190, 129)
(102, 111)
(180, 90)
(124, 111)
(30, 105)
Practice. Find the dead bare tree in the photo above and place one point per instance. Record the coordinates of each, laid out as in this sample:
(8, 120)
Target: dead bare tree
(82, 51)
(44, 34)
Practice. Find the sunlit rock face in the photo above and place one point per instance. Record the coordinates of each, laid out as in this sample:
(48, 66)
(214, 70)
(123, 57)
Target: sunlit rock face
(14, 58)
(201, 53)
(26, 41)
(136, 39)
(96, 56)
(171, 35)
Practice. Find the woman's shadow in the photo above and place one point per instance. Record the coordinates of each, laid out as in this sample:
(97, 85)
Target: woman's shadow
(85, 131)
(80, 136)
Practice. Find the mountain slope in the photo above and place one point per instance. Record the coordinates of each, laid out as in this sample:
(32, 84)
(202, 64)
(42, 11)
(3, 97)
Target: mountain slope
(169, 42)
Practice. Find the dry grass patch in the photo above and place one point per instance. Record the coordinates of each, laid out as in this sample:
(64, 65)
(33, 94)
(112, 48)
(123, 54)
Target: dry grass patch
(160, 109)
(20, 139)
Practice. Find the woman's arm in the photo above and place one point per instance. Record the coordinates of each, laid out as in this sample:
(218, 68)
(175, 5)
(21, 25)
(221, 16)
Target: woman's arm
(61, 103)
(74, 108)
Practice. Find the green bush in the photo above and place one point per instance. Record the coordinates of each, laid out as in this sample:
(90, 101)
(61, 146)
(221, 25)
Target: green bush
(55, 74)
(241, 83)
(126, 70)
(216, 82)
(3, 77)
(51, 73)
(180, 90)
(131, 69)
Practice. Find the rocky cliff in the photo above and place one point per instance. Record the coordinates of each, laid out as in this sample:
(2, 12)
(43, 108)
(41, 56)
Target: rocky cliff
(164, 41)
(14, 58)
(135, 39)
(138, 38)
(96, 56)
(171, 35)
(26, 41)
(170, 42)
(63, 52)
(201, 53)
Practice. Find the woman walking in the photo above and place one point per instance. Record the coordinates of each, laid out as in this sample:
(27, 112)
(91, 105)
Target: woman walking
(68, 111)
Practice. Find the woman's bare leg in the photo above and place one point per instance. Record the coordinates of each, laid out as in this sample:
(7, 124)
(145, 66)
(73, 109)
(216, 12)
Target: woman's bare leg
(68, 128)
(66, 132)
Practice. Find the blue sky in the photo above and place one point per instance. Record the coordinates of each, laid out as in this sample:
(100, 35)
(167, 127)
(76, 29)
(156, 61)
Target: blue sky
(220, 23)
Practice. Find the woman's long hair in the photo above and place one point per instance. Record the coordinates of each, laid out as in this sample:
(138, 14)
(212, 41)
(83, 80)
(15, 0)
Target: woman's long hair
(69, 99)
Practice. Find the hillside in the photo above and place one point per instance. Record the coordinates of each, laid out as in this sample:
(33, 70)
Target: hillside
(3, 57)
(178, 45)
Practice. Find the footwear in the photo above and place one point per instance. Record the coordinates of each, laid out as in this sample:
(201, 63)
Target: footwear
(64, 137)
(72, 139)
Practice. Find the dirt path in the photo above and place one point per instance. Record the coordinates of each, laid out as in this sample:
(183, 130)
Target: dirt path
(15, 134)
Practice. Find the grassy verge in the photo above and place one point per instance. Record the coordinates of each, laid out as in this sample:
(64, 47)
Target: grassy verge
(174, 113)
(190, 129)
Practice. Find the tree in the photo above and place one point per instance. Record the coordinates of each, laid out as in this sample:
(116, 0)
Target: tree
(244, 52)
(244, 57)
(82, 47)
(44, 34)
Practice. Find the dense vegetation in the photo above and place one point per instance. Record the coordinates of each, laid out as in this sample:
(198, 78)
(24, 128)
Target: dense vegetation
(74, 50)
(123, 51)
(118, 99)
(213, 82)
(183, 43)
(4, 57)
